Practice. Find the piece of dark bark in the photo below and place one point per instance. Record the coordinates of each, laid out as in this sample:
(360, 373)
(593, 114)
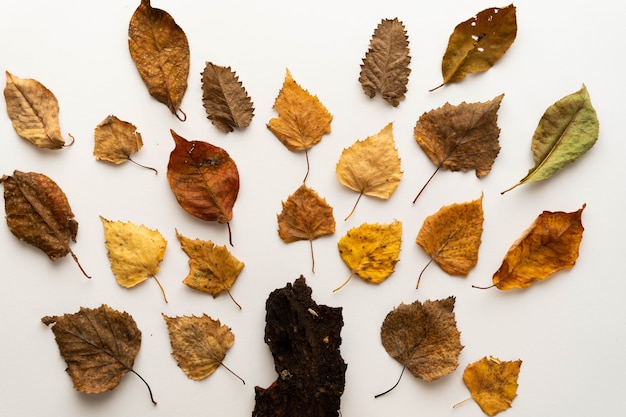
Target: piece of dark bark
(304, 339)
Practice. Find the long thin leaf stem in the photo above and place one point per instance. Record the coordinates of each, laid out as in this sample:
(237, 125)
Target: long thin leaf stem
(312, 256)
(234, 301)
(144, 166)
(308, 165)
(427, 182)
(394, 385)
(148, 386)
(161, 287)
(354, 208)
(78, 263)
(345, 282)
(421, 273)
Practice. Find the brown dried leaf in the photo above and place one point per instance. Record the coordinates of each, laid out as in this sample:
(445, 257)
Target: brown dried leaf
(305, 216)
(385, 67)
(492, 383)
(160, 50)
(38, 213)
(115, 140)
(98, 345)
(225, 99)
(34, 112)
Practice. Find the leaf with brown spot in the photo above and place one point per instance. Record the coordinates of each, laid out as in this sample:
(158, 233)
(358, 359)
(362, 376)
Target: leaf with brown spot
(225, 100)
(212, 269)
(204, 179)
(460, 137)
(98, 345)
(302, 119)
(199, 344)
(160, 50)
(452, 237)
(549, 245)
(305, 216)
(385, 67)
(478, 43)
(38, 213)
(34, 112)
(371, 166)
(424, 338)
(492, 383)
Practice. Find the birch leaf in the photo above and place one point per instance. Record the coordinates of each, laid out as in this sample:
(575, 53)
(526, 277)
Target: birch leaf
(225, 100)
(371, 166)
(385, 67)
(567, 130)
(34, 112)
(160, 50)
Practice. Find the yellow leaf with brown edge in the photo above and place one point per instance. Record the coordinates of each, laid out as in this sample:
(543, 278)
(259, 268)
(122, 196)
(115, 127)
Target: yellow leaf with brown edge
(212, 269)
(549, 245)
(134, 252)
(34, 112)
(371, 251)
(452, 237)
(492, 383)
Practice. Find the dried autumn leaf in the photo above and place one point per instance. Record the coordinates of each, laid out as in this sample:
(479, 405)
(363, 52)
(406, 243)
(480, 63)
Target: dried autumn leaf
(34, 112)
(492, 383)
(371, 166)
(305, 216)
(567, 130)
(134, 252)
(199, 344)
(38, 213)
(304, 339)
(385, 67)
(225, 100)
(302, 119)
(160, 50)
(204, 179)
(452, 237)
(371, 251)
(460, 137)
(424, 338)
(549, 245)
(98, 345)
(212, 269)
(478, 43)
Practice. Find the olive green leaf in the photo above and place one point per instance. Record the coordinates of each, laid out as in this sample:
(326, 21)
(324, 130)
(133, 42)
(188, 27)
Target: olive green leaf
(567, 130)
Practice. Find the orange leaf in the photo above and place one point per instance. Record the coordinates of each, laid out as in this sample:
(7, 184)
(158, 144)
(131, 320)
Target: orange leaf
(492, 383)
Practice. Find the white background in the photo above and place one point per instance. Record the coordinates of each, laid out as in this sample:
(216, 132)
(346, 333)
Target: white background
(568, 330)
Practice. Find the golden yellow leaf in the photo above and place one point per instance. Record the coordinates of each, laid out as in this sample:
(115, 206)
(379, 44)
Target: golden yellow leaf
(371, 251)
(34, 112)
(134, 252)
(452, 237)
(302, 119)
(199, 344)
(212, 269)
(492, 383)
(371, 166)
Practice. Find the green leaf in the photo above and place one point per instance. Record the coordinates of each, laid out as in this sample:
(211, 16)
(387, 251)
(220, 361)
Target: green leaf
(567, 130)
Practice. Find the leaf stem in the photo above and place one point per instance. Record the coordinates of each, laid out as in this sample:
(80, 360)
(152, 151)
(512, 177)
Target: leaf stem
(161, 287)
(234, 301)
(483, 288)
(182, 119)
(354, 208)
(394, 385)
(148, 386)
(421, 273)
(79, 265)
(231, 371)
(436, 88)
(67, 145)
(312, 256)
(230, 235)
(345, 282)
(510, 188)
(427, 182)
(143, 166)
(461, 402)
(308, 166)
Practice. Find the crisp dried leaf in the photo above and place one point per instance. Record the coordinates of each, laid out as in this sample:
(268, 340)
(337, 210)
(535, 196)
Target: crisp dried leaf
(385, 67)
(212, 269)
(567, 130)
(225, 100)
(492, 383)
(371, 250)
(160, 50)
(305, 216)
(134, 252)
(305, 341)
(98, 345)
(371, 166)
(423, 337)
(302, 119)
(460, 137)
(199, 344)
(549, 245)
(204, 179)
(38, 213)
(115, 140)
(478, 43)
(452, 236)
(34, 112)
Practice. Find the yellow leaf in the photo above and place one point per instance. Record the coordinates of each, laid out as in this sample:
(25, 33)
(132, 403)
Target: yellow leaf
(371, 166)
(492, 383)
(134, 252)
(371, 250)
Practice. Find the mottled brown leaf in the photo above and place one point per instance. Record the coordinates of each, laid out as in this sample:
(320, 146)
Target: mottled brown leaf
(225, 100)
(385, 67)
(115, 140)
